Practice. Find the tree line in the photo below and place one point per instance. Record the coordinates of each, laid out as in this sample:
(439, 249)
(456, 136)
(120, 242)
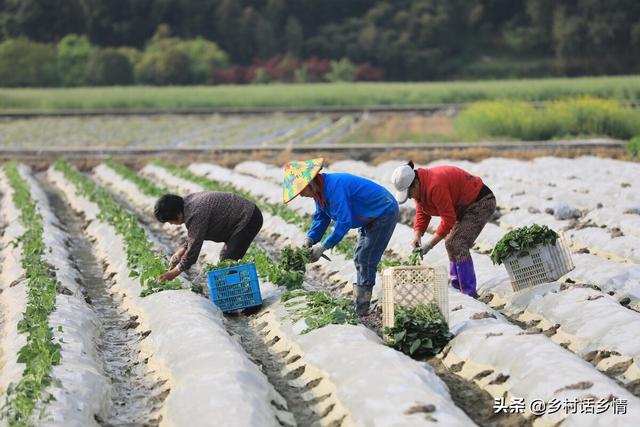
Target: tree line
(396, 39)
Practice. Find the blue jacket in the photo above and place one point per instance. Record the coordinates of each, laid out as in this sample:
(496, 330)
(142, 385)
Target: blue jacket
(352, 202)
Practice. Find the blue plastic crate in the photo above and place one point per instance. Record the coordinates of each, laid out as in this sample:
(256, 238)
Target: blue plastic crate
(235, 288)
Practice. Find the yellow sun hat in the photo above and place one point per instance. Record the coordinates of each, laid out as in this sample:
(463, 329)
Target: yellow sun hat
(297, 175)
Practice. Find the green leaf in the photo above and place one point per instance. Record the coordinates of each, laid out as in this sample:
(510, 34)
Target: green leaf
(397, 337)
(414, 346)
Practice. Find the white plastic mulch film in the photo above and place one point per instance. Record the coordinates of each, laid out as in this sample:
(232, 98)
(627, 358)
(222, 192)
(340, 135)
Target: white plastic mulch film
(409, 286)
(543, 264)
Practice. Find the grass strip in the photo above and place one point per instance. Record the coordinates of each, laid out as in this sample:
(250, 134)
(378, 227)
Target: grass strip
(177, 98)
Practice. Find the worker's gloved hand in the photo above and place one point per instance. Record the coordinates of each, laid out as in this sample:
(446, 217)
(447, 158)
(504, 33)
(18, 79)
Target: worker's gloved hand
(307, 243)
(417, 240)
(316, 252)
(424, 249)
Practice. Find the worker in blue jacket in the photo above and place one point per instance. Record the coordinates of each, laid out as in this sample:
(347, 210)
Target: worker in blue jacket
(350, 202)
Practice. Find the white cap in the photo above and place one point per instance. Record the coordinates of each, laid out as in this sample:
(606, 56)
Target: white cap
(401, 179)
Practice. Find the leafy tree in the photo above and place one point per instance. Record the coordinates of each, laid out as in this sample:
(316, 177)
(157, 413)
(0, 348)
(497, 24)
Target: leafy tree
(293, 36)
(169, 60)
(228, 17)
(42, 20)
(125, 22)
(409, 40)
(264, 37)
(73, 55)
(204, 58)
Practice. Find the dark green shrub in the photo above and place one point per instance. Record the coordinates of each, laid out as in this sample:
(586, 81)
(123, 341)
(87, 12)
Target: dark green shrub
(27, 63)
(109, 67)
(168, 67)
(342, 71)
(169, 60)
(633, 147)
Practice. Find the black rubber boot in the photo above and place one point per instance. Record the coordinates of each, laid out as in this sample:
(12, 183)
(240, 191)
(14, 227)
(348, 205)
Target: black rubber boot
(363, 299)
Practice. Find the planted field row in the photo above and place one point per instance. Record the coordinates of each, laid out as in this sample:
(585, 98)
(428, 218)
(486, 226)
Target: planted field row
(316, 95)
(185, 339)
(327, 365)
(50, 370)
(175, 131)
(564, 361)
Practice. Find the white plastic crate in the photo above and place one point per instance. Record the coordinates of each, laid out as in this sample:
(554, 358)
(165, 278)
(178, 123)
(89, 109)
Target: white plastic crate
(543, 264)
(411, 285)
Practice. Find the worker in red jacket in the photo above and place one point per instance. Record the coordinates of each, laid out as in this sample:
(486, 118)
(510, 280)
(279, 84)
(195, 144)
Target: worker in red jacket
(463, 203)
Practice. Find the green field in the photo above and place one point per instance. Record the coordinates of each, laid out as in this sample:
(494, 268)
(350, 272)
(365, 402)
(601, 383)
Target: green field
(313, 95)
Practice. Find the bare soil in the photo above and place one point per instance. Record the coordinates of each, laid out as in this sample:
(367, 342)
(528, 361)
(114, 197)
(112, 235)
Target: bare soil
(408, 127)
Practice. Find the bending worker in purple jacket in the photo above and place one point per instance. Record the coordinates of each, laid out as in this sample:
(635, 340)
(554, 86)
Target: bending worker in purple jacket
(350, 202)
(209, 215)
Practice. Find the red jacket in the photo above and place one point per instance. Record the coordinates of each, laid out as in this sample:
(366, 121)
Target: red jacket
(446, 192)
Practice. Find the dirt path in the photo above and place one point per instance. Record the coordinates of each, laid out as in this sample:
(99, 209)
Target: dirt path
(137, 393)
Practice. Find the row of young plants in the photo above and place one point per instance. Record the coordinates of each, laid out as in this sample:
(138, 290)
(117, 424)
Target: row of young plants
(332, 132)
(146, 186)
(40, 352)
(143, 260)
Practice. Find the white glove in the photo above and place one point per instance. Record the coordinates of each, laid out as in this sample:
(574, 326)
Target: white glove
(307, 243)
(316, 251)
(425, 248)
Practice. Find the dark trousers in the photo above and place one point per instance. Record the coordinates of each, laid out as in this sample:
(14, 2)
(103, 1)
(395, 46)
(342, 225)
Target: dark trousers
(239, 243)
(374, 238)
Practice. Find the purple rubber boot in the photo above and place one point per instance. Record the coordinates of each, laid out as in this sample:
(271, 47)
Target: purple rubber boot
(453, 275)
(467, 277)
